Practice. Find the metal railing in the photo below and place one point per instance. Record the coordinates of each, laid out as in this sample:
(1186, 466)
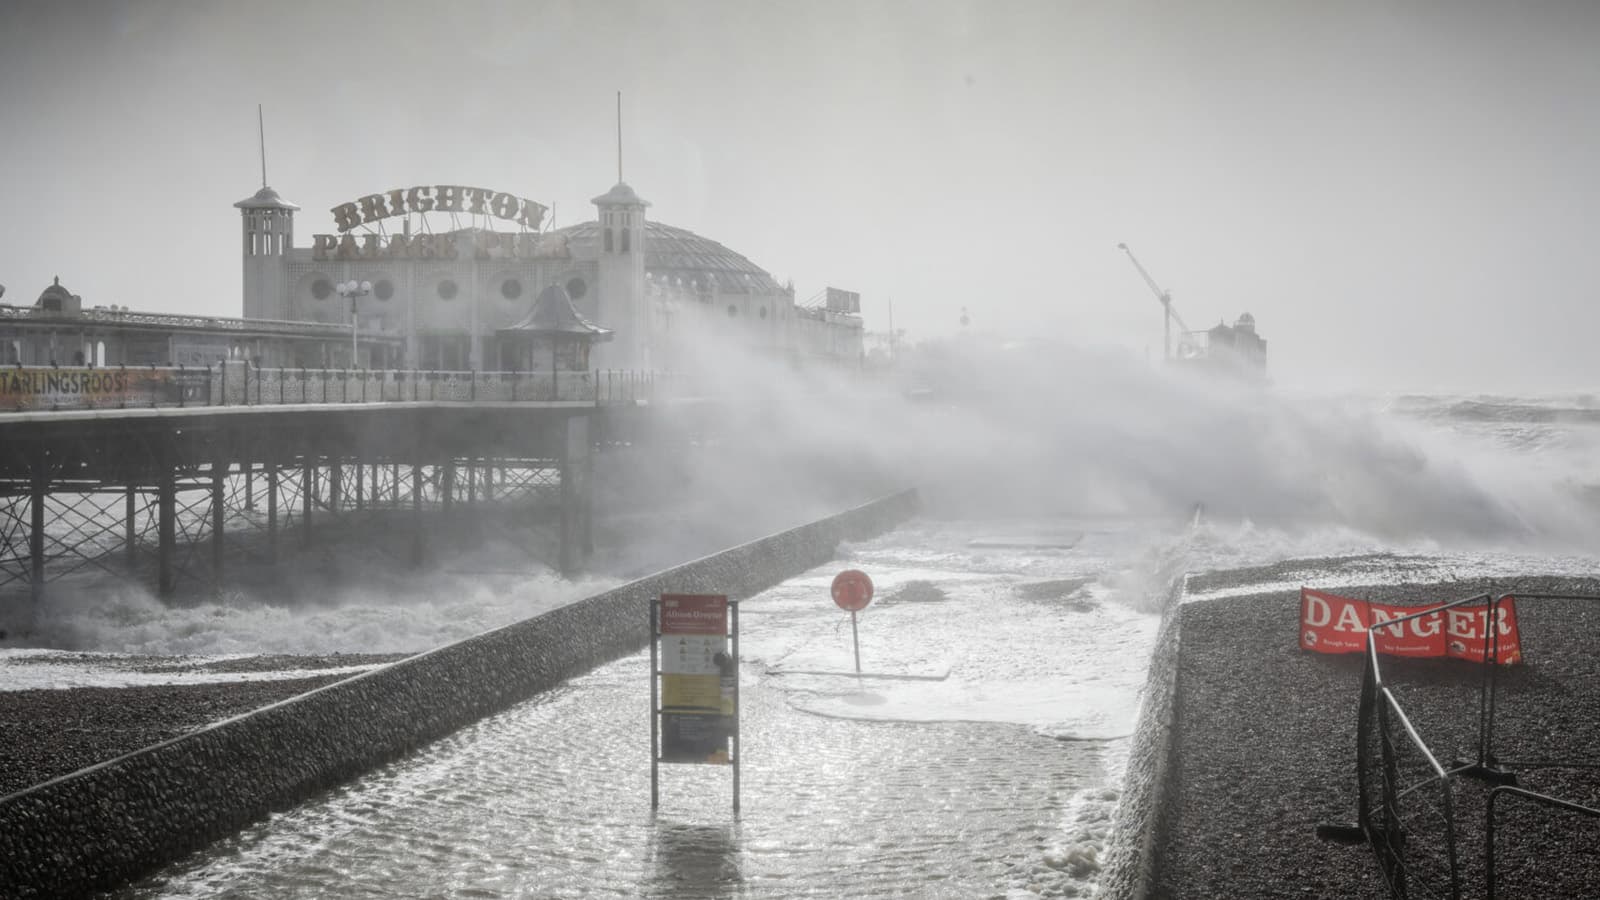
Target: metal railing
(1492, 876)
(1406, 798)
(240, 383)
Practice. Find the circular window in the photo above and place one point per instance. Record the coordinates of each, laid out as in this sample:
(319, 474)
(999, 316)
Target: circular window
(320, 289)
(383, 290)
(732, 310)
(763, 312)
(447, 289)
(576, 288)
(511, 289)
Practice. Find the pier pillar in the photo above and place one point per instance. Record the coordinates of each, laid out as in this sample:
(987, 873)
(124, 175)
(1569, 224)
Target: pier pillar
(588, 502)
(39, 492)
(166, 517)
(416, 510)
(335, 483)
(574, 488)
(447, 484)
(219, 473)
(272, 506)
(307, 494)
(130, 532)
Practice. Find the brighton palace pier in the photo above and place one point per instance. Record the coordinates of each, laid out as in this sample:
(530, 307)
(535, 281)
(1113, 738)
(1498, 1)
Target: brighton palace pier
(435, 350)
(445, 278)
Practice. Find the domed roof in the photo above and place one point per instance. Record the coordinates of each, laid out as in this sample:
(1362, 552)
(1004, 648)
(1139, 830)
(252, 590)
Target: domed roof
(54, 292)
(680, 253)
(266, 198)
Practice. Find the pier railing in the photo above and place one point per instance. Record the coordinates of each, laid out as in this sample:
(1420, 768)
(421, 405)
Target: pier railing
(238, 383)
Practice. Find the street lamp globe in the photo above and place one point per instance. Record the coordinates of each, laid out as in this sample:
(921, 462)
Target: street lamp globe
(353, 290)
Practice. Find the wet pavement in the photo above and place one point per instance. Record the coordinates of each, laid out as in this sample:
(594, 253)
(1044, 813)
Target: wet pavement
(993, 776)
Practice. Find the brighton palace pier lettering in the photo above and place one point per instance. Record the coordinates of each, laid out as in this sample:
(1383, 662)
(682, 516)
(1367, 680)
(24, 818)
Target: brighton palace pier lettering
(447, 198)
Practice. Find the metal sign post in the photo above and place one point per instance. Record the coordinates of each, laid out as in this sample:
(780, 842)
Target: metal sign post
(694, 711)
(852, 590)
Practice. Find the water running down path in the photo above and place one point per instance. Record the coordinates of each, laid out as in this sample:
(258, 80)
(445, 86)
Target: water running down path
(955, 788)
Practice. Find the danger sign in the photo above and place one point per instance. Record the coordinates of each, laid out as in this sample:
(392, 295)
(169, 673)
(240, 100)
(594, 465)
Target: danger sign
(1334, 624)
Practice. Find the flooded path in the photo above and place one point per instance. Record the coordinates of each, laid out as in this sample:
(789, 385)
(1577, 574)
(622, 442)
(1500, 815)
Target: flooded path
(993, 778)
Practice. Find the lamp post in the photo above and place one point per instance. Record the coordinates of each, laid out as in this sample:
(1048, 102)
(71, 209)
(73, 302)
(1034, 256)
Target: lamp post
(354, 290)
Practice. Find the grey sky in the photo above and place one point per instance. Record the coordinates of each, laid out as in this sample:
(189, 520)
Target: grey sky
(1402, 193)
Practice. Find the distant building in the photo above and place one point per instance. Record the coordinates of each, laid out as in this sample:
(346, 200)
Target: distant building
(448, 295)
(1236, 347)
(449, 272)
(59, 330)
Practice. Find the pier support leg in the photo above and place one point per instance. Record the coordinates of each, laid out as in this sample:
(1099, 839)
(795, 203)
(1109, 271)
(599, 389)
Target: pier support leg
(166, 519)
(219, 474)
(272, 508)
(130, 531)
(588, 504)
(249, 484)
(416, 513)
(335, 484)
(307, 494)
(447, 485)
(574, 458)
(39, 492)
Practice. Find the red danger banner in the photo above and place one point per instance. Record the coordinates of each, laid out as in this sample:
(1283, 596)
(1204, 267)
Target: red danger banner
(1334, 624)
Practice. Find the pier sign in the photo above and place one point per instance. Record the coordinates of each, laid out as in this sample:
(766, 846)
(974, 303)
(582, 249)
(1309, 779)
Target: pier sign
(694, 683)
(39, 388)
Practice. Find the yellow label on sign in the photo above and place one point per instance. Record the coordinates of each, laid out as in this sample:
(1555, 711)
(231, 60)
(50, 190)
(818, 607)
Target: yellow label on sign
(691, 692)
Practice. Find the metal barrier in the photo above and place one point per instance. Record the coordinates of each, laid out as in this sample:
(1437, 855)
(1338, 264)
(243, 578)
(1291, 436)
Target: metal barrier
(1412, 792)
(1406, 798)
(268, 386)
(1490, 873)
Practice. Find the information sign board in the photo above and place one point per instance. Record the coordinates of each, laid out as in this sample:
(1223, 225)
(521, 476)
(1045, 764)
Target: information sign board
(697, 719)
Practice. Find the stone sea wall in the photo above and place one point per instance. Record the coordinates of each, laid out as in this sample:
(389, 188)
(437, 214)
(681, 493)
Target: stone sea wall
(107, 824)
(1131, 856)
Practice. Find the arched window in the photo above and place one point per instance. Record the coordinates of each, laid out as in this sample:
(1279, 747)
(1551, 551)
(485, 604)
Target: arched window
(608, 247)
(625, 232)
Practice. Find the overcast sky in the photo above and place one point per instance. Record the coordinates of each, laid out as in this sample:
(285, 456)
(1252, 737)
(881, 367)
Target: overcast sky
(1404, 194)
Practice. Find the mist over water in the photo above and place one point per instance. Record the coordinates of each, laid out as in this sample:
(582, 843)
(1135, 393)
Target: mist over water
(987, 429)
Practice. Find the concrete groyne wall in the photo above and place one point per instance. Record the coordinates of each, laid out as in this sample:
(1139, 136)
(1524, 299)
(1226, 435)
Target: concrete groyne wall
(110, 823)
(1142, 810)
